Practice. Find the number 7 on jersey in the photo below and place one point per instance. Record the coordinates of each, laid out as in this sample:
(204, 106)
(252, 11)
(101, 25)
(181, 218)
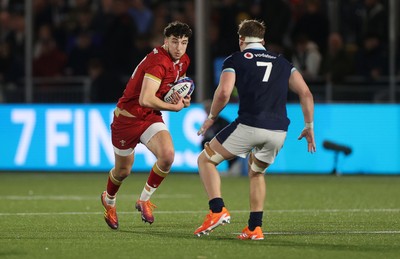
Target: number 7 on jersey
(268, 69)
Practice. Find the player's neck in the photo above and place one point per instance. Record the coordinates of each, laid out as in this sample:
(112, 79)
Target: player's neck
(254, 45)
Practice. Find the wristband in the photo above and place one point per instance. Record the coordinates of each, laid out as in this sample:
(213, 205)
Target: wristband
(211, 117)
(309, 125)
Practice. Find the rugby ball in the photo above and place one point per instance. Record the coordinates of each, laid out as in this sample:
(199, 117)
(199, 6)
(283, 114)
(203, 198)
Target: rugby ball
(184, 87)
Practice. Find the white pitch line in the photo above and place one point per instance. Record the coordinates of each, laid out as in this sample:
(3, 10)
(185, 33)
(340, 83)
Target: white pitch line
(313, 211)
(333, 210)
(178, 196)
(350, 232)
(79, 198)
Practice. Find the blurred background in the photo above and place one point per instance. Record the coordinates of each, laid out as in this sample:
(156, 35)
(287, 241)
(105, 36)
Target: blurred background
(81, 51)
(76, 56)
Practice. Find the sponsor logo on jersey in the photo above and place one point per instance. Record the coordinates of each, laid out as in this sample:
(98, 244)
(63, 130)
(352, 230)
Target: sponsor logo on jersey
(248, 55)
(264, 55)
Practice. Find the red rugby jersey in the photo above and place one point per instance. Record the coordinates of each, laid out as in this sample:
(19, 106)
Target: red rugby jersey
(158, 66)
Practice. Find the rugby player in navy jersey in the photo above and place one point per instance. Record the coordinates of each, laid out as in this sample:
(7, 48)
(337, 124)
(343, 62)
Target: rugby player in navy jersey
(262, 79)
(137, 119)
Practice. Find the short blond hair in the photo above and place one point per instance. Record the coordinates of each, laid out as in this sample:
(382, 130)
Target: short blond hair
(252, 28)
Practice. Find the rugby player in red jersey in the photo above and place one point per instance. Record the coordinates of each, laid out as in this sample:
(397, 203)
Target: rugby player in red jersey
(137, 119)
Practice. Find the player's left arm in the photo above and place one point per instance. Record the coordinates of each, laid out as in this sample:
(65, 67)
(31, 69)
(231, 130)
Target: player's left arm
(149, 99)
(299, 86)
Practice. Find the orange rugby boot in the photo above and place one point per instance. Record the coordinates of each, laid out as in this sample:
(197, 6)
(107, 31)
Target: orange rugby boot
(110, 212)
(213, 220)
(146, 209)
(257, 234)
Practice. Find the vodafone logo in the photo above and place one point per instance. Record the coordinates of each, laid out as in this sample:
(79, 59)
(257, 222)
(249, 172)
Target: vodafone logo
(248, 55)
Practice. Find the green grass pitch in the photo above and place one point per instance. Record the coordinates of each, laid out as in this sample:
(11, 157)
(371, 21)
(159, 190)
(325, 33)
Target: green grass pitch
(59, 215)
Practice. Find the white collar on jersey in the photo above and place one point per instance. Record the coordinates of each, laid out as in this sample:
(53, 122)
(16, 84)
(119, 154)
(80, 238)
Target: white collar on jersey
(252, 39)
(255, 45)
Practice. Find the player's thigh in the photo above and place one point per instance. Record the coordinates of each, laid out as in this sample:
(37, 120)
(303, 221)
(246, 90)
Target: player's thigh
(161, 144)
(237, 139)
(272, 144)
(217, 147)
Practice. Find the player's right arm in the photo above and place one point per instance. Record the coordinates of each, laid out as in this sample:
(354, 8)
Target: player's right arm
(223, 92)
(299, 86)
(221, 97)
(148, 98)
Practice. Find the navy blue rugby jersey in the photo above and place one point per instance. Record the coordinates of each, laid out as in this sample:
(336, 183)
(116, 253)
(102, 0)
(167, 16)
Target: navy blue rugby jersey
(262, 82)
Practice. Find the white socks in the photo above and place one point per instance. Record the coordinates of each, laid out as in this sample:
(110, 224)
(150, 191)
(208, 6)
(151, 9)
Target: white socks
(147, 192)
(110, 200)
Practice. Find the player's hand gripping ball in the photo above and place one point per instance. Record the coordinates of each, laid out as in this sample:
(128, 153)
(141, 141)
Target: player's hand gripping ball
(184, 87)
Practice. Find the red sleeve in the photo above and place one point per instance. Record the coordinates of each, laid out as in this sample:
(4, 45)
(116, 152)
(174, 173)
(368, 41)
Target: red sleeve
(156, 66)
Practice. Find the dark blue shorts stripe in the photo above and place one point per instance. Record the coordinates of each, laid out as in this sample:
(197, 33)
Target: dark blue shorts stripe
(226, 132)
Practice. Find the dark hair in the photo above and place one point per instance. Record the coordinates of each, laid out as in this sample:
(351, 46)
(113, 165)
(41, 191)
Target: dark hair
(178, 29)
(252, 28)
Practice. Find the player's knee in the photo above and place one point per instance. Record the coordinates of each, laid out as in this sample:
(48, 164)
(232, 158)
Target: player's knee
(166, 158)
(202, 158)
(256, 165)
(121, 173)
(211, 155)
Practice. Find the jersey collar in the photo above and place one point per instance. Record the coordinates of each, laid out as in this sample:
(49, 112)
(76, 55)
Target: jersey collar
(255, 45)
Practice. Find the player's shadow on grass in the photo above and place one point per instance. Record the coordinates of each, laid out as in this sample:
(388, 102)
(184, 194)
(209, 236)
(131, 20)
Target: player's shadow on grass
(177, 234)
(270, 240)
